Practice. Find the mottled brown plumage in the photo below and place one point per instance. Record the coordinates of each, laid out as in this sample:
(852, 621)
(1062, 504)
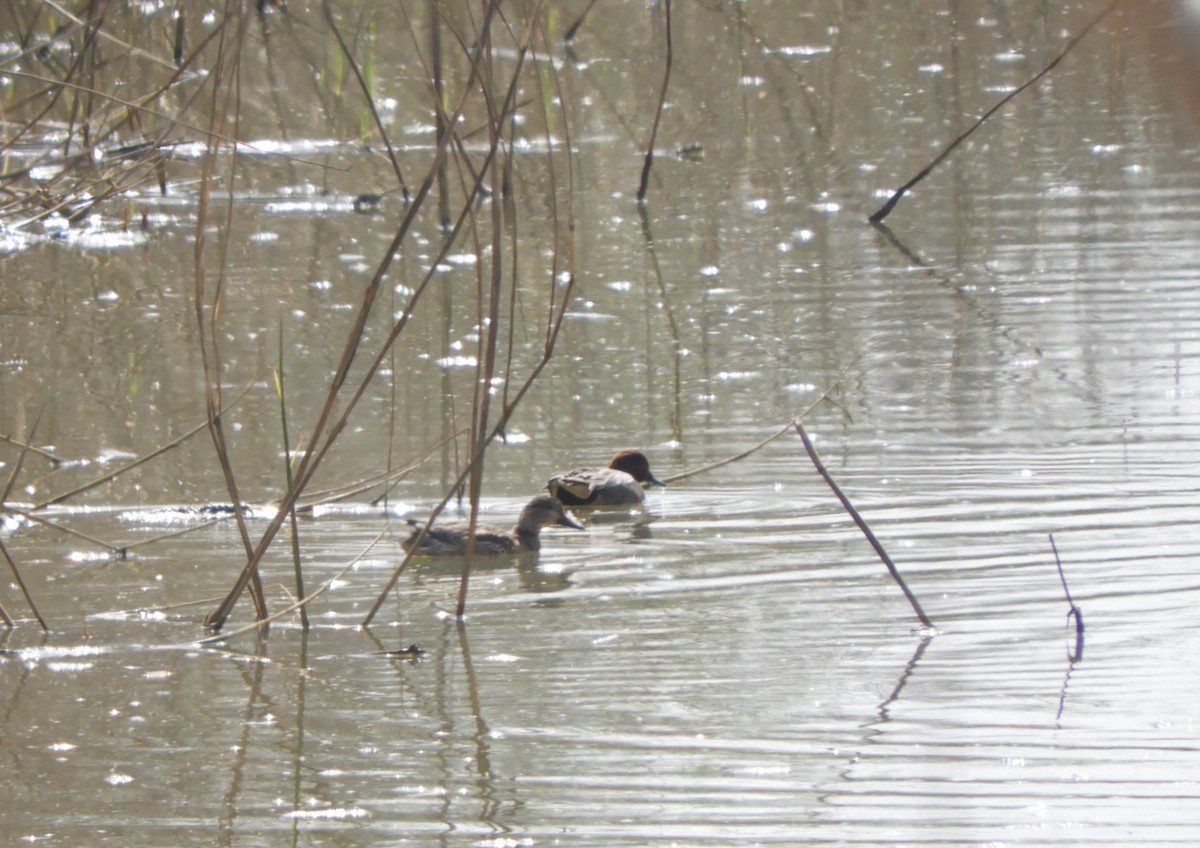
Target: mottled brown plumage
(450, 539)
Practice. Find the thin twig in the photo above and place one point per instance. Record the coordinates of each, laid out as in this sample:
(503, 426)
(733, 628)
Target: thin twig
(862, 525)
(16, 572)
(117, 550)
(662, 99)
(366, 90)
(16, 470)
(785, 428)
(12, 481)
(142, 460)
(141, 543)
(300, 604)
(886, 209)
(141, 611)
(573, 29)
(53, 83)
(33, 449)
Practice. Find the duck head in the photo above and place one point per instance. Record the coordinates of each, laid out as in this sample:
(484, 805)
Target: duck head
(545, 511)
(635, 464)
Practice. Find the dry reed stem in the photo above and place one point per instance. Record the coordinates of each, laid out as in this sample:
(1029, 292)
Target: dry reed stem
(317, 449)
(487, 298)
(297, 568)
(483, 437)
(862, 525)
(383, 478)
(208, 335)
(366, 91)
(183, 531)
(300, 604)
(492, 297)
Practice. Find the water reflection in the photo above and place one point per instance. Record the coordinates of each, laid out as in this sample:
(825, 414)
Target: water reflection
(1014, 354)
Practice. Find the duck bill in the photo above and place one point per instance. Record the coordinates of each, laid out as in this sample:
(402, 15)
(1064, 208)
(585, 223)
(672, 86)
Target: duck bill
(567, 520)
(654, 481)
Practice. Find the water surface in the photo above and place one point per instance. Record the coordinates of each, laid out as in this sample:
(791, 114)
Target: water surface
(734, 665)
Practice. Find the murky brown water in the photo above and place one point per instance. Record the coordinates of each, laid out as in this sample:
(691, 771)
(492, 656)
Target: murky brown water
(740, 669)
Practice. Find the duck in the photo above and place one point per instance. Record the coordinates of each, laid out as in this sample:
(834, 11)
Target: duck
(450, 539)
(620, 484)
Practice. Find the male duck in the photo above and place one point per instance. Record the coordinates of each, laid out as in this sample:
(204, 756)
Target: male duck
(619, 484)
(450, 539)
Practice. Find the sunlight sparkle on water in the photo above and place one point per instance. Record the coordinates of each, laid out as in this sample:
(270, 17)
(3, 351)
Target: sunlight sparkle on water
(805, 49)
(89, 556)
(334, 813)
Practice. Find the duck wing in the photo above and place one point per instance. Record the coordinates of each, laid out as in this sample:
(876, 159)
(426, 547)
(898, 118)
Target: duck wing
(491, 541)
(576, 487)
(596, 487)
(451, 539)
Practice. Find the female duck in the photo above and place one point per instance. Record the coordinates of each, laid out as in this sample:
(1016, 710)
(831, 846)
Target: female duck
(619, 484)
(450, 539)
